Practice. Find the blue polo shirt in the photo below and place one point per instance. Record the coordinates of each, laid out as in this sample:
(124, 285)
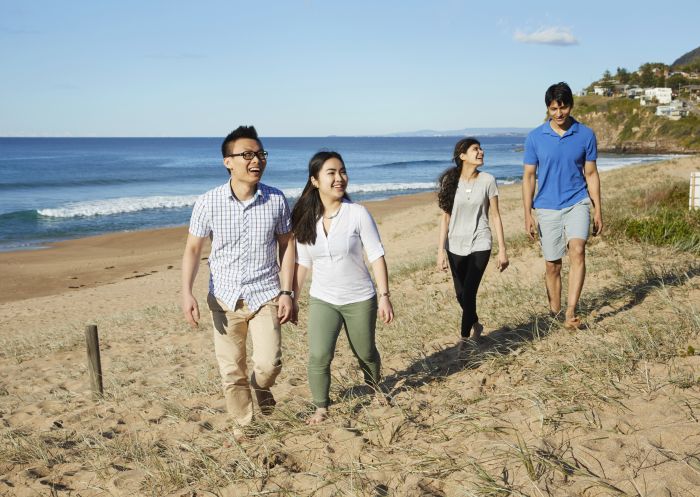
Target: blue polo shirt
(560, 159)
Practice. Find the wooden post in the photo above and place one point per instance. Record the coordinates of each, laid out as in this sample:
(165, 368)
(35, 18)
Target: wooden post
(94, 363)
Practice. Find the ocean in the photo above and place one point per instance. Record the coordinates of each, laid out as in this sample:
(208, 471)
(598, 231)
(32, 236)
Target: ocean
(55, 189)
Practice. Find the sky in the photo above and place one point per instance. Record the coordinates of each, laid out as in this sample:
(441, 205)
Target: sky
(311, 67)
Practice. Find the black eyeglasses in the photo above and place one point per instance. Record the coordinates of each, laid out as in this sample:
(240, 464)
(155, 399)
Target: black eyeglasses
(248, 155)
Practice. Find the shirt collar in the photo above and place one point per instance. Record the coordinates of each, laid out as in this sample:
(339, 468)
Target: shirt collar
(228, 191)
(547, 129)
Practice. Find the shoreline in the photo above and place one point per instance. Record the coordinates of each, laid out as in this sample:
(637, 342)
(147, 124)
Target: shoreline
(70, 265)
(104, 259)
(510, 180)
(42, 223)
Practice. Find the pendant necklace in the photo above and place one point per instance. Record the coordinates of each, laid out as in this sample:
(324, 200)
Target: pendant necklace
(335, 214)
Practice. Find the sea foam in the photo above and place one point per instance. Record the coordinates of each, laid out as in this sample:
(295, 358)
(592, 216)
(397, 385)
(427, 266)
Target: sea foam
(118, 206)
(124, 205)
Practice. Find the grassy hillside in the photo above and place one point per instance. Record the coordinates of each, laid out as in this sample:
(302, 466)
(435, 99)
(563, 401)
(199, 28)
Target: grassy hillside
(623, 125)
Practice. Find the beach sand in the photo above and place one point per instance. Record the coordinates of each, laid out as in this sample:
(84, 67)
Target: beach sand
(613, 409)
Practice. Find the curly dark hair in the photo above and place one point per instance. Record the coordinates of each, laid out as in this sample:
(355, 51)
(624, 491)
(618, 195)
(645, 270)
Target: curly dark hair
(449, 179)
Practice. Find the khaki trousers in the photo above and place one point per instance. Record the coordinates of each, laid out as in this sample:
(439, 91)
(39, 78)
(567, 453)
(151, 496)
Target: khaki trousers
(231, 329)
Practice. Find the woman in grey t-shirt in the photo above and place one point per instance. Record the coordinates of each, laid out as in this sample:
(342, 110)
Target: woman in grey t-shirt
(467, 196)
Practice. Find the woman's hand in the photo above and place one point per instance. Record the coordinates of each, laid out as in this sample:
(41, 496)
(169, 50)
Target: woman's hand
(442, 264)
(385, 309)
(502, 261)
(284, 308)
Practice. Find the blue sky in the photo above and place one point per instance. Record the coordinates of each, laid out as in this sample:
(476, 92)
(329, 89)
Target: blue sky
(310, 67)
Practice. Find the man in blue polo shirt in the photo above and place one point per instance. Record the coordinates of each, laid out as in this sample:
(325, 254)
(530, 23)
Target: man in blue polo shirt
(560, 156)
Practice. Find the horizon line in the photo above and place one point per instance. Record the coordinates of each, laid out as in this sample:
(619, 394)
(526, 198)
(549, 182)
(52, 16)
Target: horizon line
(398, 134)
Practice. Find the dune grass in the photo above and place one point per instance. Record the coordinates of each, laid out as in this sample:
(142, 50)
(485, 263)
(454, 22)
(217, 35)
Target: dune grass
(530, 410)
(658, 216)
(500, 421)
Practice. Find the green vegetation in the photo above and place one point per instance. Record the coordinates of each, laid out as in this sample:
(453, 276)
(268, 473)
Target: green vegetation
(638, 123)
(650, 75)
(659, 217)
(686, 130)
(595, 103)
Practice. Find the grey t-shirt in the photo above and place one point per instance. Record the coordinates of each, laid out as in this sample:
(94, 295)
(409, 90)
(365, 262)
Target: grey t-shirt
(469, 222)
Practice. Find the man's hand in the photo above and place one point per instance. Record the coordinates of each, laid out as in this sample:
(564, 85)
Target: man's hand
(190, 309)
(597, 222)
(284, 308)
(530, 226)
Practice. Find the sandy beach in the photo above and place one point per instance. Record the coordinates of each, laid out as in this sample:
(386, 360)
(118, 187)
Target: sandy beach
(613, 409)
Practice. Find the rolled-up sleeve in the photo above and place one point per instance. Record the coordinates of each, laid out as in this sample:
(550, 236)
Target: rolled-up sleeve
(304, 255)
(370, 235)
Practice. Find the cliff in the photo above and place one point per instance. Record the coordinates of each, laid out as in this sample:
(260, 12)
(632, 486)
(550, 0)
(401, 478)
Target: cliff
(622, 125)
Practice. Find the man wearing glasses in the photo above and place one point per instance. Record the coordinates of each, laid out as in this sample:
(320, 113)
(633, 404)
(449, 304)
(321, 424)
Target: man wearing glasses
(249, 292)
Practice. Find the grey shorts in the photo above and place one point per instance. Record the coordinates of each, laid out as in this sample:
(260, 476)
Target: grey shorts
(558, 226)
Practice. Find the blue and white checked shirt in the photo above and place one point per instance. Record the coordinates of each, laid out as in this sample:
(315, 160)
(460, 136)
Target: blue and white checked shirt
(243, 260)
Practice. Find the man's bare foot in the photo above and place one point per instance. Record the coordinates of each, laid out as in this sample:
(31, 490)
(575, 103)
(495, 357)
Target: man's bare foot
(556, 316)
(477, 330)
(318, 417)
(571, 321)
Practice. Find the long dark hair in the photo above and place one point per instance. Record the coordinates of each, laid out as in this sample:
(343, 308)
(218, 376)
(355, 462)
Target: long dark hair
(449, 179)
(309, 209)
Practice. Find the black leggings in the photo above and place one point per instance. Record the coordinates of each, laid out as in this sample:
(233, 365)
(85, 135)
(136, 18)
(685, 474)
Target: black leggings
(467, 271)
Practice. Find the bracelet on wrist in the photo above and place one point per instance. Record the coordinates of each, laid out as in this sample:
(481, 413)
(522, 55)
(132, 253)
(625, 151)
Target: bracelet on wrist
(385, 294)
(287, 292)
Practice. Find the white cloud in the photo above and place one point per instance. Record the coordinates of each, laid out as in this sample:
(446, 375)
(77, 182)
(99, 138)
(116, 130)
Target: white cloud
(547, 36)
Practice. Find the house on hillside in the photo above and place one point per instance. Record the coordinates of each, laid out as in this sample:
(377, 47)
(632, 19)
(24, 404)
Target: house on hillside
(620, 90)
(635, 92)
(693, 91)
(674, 111)
(661, 95)
(602, 91)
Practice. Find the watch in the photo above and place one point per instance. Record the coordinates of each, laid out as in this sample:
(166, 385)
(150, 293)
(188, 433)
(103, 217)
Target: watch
(287, 292)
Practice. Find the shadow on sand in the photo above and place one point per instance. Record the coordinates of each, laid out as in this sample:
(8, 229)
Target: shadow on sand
(505, 340)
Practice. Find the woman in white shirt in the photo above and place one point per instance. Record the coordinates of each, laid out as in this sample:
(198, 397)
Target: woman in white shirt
(331, 233)
(467, 196)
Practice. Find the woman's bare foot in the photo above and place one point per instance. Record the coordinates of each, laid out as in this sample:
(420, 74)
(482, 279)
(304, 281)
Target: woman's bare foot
(318, 417)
